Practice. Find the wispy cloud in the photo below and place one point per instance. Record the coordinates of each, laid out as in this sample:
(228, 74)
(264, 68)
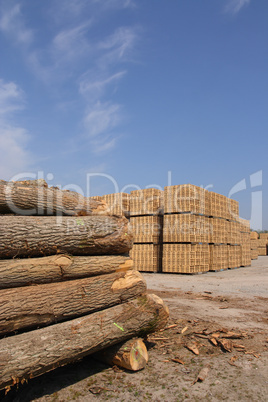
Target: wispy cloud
(71, 44)
(234, 6)
(14, 156)
(11, 23)
(78, 54)
(94, 87)
(100, 121)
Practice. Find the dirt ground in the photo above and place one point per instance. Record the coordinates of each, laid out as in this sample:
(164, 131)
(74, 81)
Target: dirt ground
(221, 316)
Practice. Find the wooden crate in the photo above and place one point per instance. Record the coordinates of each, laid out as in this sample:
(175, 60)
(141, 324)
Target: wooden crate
(146, 229)
(185, 198)
(218, 257)
(254, 254)
(234, 256)
(254, 235)
(146, 202)
(146, 257)
(219, 231)
(118, 203)
(245, 254)
(182, 228)
(185, 258)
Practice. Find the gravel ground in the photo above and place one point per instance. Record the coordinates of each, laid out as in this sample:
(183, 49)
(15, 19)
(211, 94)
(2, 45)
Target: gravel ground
(229, 306)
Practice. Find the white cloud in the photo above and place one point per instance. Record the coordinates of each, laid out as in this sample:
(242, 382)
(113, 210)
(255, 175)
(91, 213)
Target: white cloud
(117, 46)
(11, 98)
(71, 44)
(11, 23)
(100, 118)
(95, 87)
(14, 156)
(234, 6)
(100, 121)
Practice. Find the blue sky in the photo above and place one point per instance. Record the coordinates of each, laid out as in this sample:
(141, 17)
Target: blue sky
(143, 92)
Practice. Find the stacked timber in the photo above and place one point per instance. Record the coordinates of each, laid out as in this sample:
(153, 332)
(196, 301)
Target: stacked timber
(117, 203)
(186, 231)
(202, 223)
(146, 218)
(67, 284)
(245, 253)
(262, 244)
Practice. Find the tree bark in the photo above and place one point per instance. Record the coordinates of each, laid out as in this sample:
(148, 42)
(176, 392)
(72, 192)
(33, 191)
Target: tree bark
(131, 355)
(33, 306)
(33, 353)
(35, 198)
(30, 236)
(57, 268)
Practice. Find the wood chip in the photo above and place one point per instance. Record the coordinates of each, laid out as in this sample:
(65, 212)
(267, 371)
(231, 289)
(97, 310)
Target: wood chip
(169, 327)
(193, 348)
(232, 360)
(202, 374)
(226, 345)
(213, 341)
(176, 360)
(235, 345)
(183, 330)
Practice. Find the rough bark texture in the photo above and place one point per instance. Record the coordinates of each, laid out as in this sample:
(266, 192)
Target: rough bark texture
(30, 354)
(57, 268)
(30, 236)
(33, 306)
(35, 198)
(131, 355)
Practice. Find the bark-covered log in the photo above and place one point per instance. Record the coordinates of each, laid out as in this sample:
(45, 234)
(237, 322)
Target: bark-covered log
(35, 198)
(30, 354)
(30, 236)
(131, 355)
(33, 306)
(57, 268)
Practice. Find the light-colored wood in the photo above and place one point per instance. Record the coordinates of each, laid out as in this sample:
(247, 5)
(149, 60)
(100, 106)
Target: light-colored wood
(57, 268)
(131, 355)
(33, 353)
(33, 198)
(31, 236)
(33, 306)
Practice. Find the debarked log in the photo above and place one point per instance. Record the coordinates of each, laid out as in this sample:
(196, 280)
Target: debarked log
(26, 198)
(33, 306)
(31, 236)
(131, 355)
(30, 354)
(57, 268)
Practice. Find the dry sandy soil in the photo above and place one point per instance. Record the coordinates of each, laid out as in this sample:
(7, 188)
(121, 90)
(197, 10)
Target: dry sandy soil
(228, 309)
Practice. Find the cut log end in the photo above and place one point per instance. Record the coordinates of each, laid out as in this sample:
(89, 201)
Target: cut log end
(131, 355)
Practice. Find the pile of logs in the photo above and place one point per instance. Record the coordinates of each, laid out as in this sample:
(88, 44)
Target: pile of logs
(67, 287)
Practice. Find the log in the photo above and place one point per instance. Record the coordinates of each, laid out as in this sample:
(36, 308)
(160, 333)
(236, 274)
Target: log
(35, 198)
(33, 306)
(131, 355)
(31, 236)
(33, 353)
(57, 268)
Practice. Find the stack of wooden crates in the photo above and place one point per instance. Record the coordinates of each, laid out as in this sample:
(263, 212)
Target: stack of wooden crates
(184, 229)
(262, 244)
(146, 222)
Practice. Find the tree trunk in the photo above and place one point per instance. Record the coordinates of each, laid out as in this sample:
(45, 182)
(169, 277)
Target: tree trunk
(57, 268)
(33, 353)
(30, 236)
(33, 306)
(131, 355)
(25, 198)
